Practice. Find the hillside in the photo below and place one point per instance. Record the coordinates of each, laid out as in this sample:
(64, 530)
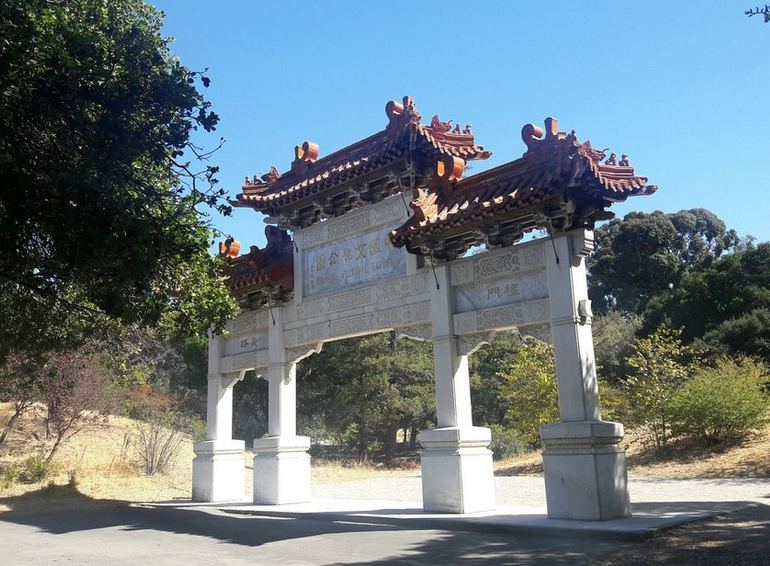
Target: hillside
(103, 465)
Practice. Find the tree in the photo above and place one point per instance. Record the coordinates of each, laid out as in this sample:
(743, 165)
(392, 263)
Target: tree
(370, 386)
(529, 389)
(487, 377)
(102, 187)
(19, 384)
(644, 256)
(660, 364)
(705, 301)
(76, 395)
(614, 335)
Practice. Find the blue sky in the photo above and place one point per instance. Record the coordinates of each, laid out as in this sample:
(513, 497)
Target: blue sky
(683, 87)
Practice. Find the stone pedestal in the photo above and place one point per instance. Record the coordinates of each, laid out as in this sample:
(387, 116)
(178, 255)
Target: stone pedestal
(281, 470)
(457, 472)
(585, 470)
(218, 471)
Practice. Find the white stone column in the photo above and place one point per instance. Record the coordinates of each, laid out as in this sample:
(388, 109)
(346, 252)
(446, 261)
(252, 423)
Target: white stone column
(584, 466)
(218, 465)
(457, 473)
(281, 464)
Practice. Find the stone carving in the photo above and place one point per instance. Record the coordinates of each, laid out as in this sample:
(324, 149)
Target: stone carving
(502, 262)
(540, 332)
(241, 344)
(231, 378)
(299, 353)
(400, 316)
(387, 212)
(421, 332)
(403, 287)
(350, 326)
(349, 300)
(248, 321)
(499, 318)
(498, 292)
(469, 343)
(356, 261)
(250, 360)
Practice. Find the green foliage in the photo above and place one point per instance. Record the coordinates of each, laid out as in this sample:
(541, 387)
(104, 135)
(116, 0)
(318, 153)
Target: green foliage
(731, 288)
(529, 389)
(506, 442)
(8, 477)
(100, 195)
(36, 469)
(722, 402)
(748, 333)
(371, 386)
(645, 255)
(660, 364)
(614, 334)
(486, 378)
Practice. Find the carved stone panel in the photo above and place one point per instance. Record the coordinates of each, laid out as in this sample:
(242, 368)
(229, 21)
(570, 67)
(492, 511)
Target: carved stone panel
(248, 321)
(384, 319)
(352, 262)
(501, 291)
(499, 263)
(510, 316)
(243, 343)
(248, 361)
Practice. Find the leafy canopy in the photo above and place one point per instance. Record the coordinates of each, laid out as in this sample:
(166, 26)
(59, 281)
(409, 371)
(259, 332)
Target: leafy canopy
(102, 188)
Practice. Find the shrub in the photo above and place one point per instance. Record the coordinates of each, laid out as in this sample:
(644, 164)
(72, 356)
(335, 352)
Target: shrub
(9, 477)
(157, 441)
(660, 364)
(722, 402)
(506, 442)
(36, 469)
(529, 389)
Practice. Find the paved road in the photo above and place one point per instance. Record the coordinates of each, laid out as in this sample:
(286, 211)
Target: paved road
(159, 537)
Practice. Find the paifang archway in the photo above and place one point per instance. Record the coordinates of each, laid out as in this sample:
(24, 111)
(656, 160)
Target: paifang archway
(350, 252)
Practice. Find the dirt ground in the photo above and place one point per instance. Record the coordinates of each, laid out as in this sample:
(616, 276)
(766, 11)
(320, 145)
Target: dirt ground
(738, 538)
(103, 463)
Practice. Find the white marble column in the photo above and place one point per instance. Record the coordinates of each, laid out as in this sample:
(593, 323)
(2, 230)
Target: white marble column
(457, 473)
(218, 465)
(584, 466)
(281, 464)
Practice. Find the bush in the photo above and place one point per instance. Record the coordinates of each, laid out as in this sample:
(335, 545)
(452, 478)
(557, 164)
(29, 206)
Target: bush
(529, 389)
(722, 402)
(506, 442)
(35, 470)
(157, 441)
(660, 364)
(9, 477)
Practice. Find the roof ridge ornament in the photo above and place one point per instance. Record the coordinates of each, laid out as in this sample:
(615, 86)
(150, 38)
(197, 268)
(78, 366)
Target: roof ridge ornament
(402, 112)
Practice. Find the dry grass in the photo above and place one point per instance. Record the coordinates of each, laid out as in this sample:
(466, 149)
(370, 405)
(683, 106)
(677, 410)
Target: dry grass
(326, 471)
(682, 459)
(106, 471)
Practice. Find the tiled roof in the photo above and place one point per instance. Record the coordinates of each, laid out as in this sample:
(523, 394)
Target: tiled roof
(555, 163)
(310, 176)
(269, 268)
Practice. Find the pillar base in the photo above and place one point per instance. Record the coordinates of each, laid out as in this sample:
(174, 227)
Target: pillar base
(281, 470)
(457, 472)
(585, 471)
(218, 471)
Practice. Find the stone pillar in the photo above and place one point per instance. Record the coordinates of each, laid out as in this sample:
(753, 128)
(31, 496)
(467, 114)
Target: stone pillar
(584, 466)
(218, 465)
(281, 464)
(457, 473)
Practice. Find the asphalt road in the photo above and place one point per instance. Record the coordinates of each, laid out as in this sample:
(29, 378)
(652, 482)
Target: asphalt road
(131, 536)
